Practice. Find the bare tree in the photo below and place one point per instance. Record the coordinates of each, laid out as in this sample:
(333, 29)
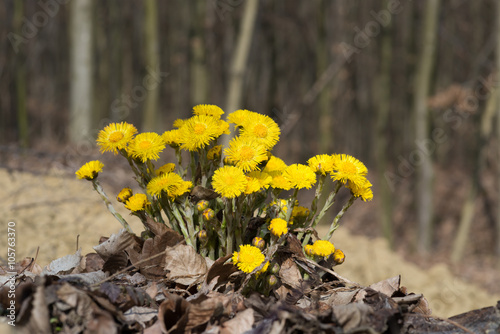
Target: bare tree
(150, 120)
(422, 86)
(81, 67)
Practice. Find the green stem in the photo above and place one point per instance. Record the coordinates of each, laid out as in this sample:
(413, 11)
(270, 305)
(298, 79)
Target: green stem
(182, 225)
(335, 224)
(100, 190)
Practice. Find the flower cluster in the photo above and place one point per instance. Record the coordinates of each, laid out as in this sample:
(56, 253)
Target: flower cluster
(239, 199)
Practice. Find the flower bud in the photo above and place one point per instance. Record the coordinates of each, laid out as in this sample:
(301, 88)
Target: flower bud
(272, 280)
(275, 268)
(208, 214)
(124, 195)
(259, 243)
(202, 205)
(309, 250)
(338, 256)
(202, 235)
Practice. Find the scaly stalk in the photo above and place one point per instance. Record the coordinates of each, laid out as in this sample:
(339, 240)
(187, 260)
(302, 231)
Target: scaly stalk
(335, 224)
(100, 190)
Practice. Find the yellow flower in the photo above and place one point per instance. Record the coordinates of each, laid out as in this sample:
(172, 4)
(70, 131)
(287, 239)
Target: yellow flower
(274, 165)
(166, 168)
(168, 182)
(364, 191)
(347, 168)
(181, 189)
(214, 153)
(280, 182)
(208, 214)
(309, 250)
(172, 137)
(124, 195)
(259, 243)
(264, 179)
(240, 117)
(321, 164)
(138, 202)
(282, 205)
(198, 131)
(202, 205)
(300, 176)
(278, 227)
(224, 127)
(253, 185)
(208, 110)
(323, 248)
(115, 136)
(300, 211)
(147, 145)
(229, 181)
(246, 153)
(248, 258)
(90, 170)
(338, 256)
(263, 270)
(263, 129)
(178, 123)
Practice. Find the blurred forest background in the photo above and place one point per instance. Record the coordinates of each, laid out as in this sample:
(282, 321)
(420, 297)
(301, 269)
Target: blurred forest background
(408, 87)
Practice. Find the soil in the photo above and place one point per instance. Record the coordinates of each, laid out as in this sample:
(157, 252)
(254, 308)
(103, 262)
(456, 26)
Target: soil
(55, 213)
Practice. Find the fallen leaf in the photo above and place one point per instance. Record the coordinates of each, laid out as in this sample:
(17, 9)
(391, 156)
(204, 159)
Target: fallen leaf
(115, 244)
(184, 265)
(241, 323)
(64, 264)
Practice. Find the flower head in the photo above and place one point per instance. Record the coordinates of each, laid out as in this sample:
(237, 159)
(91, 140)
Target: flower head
(321, 164)
(347, 168)
(146, 146)
(280, 182)
(274, 166)
(214, 153)
(323, 248)
(124, 195)
(208, 110)
(240, 117)
(115, 136)
(246, 153)
(278, 227)
(166, 168)
(262, 178)
(259, 243)
(229, 181)
(338, 256)
(178, 123)
(300, 176)
(138, 202)
(172, 137)
(167, 182)
(364, 190)
(248, 258)
(90, 170)
(263, 129)
(198, 131)
(309, 250)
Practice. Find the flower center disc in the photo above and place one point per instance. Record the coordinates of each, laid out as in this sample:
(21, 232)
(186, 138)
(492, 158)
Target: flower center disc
(115, 136)
(144, 145)
(349, 168)
(260, 130)
(247, 153)
(199, 129)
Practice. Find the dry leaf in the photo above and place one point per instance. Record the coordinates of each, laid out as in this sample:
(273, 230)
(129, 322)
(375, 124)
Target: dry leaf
(241, 323)
(64, 264)
(388, 286)
(184, 264)
(289, 274)
(115, 244)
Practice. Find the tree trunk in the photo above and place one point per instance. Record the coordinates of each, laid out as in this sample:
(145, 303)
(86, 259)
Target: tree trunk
(498, 126)
(382, 99)
(199, 76)
(150, 120)
(422, 86)
(22, 113)
(81, 96)
(240, 57)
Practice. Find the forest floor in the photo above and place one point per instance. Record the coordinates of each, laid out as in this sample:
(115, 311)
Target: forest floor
(55, 214)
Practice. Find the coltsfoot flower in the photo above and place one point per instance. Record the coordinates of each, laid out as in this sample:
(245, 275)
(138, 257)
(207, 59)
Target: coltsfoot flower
(166, 168)
(146, 146)
(214, 153)
(240, 117)
(124, 195)
(137, 202)
(323, 248)
(115, 136)
(321, 164)
(347, 168)
(229, 181)
(300, 176)
(246, 154)
(170, 183)
(278, 227)
(198, 131)
(338, 256)
(274, 166)
(259, 243)
(90, 170)
(208, 110)
(208, 214)
(248, 258)
(262, 128)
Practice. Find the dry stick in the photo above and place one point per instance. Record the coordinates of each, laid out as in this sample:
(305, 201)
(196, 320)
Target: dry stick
(345, 280)
(451, 322)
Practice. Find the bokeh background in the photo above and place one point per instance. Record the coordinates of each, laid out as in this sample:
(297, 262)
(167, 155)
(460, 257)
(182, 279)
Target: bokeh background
(408, 87)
